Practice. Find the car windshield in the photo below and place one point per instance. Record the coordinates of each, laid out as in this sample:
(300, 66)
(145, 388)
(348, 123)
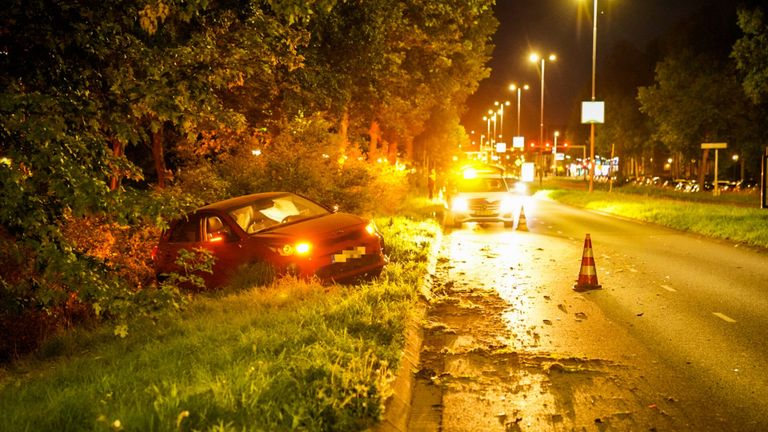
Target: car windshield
(482, 184)
(268, 212)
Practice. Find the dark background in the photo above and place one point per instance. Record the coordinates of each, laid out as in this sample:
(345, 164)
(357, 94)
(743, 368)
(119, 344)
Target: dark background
(564, 27)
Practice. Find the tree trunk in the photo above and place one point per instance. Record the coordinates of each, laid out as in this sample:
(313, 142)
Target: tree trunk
(117, 151)
(375, 134)
(344, 131)
(704, 168)
(159, 158)
(409, 149)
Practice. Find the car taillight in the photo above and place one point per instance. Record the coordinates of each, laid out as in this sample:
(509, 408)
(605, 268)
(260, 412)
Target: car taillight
(371, 229)
(153, 254)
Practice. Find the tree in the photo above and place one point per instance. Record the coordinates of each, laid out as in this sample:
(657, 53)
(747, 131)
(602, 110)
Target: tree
(751, 53)
(83, 80)
(391, 63)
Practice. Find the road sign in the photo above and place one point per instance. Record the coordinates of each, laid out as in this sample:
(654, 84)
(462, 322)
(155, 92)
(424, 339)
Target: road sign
(592, 112)
(705, 146)
(716, 147)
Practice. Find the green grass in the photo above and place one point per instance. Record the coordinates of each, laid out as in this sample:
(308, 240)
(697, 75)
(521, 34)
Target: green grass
(724, 220)
(291, 356)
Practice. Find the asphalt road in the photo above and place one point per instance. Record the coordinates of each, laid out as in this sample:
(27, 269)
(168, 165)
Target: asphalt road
(703, 305)
(676, 339)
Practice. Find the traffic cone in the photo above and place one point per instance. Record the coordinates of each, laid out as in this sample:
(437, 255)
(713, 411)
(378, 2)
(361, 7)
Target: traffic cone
(588, 274)
(521, 224)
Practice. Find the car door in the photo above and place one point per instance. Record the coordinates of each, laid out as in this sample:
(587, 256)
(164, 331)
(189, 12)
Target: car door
(222, 240)
(184, 234)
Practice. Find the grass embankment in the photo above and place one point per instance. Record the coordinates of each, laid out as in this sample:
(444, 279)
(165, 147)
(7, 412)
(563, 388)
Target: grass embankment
(294, 355)
(724, 220)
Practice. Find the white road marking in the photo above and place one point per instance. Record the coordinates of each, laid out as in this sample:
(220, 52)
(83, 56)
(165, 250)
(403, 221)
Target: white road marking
(723, 317)
(669, 288)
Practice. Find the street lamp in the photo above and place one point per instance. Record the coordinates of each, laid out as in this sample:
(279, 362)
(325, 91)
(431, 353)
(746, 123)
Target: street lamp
(554, 155)
(592, 124)
(514, 87)
(501, 118)
(492, 119)
(535, 58)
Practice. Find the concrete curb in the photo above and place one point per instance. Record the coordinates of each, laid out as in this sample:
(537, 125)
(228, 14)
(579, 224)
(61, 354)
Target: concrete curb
(397, 408)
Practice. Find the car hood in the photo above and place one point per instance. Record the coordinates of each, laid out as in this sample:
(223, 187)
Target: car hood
(487, 195)
(324, 226)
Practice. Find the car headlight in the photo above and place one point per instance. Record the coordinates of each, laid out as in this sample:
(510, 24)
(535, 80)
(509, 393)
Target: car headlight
(460, 205)
(507, 205)
(521, 188)
(301, 248)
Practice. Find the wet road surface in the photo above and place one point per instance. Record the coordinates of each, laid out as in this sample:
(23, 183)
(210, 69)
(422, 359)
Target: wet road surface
(675, 340)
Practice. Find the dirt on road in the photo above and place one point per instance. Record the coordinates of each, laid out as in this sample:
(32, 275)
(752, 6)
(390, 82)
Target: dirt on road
(508, 345)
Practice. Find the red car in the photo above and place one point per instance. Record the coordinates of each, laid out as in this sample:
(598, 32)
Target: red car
(292, 233)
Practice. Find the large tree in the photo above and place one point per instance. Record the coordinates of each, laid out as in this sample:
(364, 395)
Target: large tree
(385, 66)
(82, 81)
(751, 53)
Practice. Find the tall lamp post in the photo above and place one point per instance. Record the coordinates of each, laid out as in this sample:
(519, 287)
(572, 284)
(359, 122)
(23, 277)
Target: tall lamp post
(554, 155)
(592, 124)
(515, 87)
(501, 118)
(535, 58)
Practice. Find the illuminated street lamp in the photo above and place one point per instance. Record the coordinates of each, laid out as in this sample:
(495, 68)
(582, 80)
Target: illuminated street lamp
(592, 124)
(554, 155)
(535, 58)
(495, 134)
(501, 118)
(514, 87)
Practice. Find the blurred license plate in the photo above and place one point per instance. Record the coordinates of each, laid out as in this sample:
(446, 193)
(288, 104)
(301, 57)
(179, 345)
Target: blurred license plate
(348, 254)
(485, 213)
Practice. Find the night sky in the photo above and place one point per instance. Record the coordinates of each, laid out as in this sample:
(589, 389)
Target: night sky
(563, 27)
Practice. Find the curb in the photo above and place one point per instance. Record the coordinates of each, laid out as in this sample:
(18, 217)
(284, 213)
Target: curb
(397, 408)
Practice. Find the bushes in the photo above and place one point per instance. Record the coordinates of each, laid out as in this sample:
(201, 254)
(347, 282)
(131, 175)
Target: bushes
(305, 158)
(88, 266)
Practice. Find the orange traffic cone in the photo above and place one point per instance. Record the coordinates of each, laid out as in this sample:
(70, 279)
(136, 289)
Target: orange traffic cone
(588, 274)
(521, 223)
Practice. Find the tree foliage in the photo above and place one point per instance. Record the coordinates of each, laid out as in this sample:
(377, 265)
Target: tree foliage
(751, 53)
(104, 104)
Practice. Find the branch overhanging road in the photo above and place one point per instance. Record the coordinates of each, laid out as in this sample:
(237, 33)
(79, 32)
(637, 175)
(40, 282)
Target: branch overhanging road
(675, 340)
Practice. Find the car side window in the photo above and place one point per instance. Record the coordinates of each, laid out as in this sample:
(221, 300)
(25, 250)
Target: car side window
(186, 231)
(216, 229)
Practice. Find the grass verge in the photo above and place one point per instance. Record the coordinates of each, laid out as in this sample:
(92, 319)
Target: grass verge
(292, 356)
(724, 221)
